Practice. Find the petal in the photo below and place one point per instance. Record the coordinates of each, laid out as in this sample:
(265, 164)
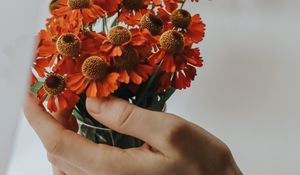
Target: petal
(51, 104)
(92, 90)
(62, 102)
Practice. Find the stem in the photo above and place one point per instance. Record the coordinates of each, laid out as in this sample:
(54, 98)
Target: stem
(182, 4)
(144, 93)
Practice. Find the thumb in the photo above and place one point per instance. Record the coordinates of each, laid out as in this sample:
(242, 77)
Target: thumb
(149, 126)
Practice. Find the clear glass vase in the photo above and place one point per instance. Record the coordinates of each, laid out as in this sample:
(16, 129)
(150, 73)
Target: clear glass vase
(100, 134)
(104, 135)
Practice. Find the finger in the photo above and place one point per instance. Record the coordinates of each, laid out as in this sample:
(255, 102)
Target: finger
(68, 145)
(57, 171)
(152, 127)
(62, 167)
(66, 119)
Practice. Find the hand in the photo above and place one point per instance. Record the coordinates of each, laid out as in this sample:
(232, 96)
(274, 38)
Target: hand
(173, 145)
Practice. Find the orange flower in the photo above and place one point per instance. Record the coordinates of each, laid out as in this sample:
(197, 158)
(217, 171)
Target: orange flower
(55, 92)
(95, 78)
(118, 37)
(175, 58)
(192, 27)
(63, 50)
(131, 65)
(79, 10)
(132, 10)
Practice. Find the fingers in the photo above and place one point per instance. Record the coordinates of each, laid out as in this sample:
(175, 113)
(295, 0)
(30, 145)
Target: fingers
(152, 127)
(76, 150)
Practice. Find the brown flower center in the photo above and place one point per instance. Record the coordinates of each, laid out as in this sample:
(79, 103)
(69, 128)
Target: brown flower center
(54, 84)
(53, 5)
(128, 60)
(134, 4)
(119, 35)
(172, 41)
(181, 18)
(94, 68)
(68, 44)
(152, 23)
(79, 4)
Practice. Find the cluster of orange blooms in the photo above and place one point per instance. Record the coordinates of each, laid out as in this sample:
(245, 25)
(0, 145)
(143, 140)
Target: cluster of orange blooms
(148, 41)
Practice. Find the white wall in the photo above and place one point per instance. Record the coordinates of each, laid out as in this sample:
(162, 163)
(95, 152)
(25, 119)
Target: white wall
(17, 25)
(247, 94)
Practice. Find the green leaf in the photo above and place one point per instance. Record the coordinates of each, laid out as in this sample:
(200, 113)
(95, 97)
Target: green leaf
(77, 115)
(37, 86)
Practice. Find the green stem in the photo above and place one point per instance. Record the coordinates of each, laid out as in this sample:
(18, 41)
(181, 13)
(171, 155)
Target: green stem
(182, 4)
(145, 91)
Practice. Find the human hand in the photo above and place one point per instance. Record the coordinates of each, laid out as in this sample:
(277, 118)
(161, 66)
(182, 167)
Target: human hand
(173, 146)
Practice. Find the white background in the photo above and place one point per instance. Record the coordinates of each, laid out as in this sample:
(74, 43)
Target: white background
(247, 94)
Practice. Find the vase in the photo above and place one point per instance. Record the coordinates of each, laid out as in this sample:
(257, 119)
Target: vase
(100, 134)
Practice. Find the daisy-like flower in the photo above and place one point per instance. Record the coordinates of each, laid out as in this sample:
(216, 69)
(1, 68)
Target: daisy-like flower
(95, 78)
(79, 10)
(55, 92)
(192, 27)
(132, 10)
(132, 66)
(176, 59)
(119, 37)
(51, 48)
(53, 5)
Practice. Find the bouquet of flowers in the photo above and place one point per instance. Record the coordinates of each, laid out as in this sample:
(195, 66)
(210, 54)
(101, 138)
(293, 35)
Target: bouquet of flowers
(137, 50)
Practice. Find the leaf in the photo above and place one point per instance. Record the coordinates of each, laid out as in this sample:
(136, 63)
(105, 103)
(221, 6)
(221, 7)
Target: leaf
(37, 86)
(77, 114)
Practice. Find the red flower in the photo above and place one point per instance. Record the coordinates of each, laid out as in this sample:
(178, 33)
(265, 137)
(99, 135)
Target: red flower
(192, 27)
(55, 92)
(119, 37)
(94, 77)
(176, 59)
(79, 10)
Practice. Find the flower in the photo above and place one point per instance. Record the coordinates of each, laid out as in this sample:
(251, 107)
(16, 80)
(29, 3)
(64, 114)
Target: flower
(118, 37)
(55, 92)
(94, 77)
(176, 59)
(132, 10)
(192, 27)
(132, 66)
(79, 10)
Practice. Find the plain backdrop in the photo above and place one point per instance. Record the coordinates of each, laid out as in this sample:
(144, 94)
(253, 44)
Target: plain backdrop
(247, 93)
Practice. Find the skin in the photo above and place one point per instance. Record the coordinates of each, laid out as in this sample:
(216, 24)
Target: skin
(173, 146)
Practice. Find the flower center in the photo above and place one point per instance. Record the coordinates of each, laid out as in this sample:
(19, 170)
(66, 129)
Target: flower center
(53, 6)
(78, 4)
(54, 84)
(128, 60)
(172, 41)
(94, 68)
(134, 4)
(181, 18)
(119, 35)
(68, 44)
(152, 23)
